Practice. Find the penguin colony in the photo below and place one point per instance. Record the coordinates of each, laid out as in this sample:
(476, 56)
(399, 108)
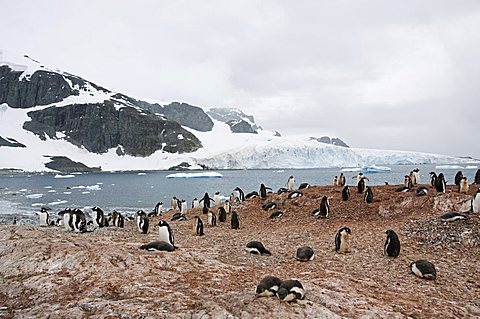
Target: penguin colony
(73, 219)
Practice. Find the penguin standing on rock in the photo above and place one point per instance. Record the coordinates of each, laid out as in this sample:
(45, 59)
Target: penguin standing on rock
(206, 200)
(361, 185)
(98, 217)
(235, 223)
(211, 219)
(416, 176)
(44, 217)
(290, 290)
(341, 180)
(463, 186)
(195, 203)
(174, 203)
(324, 208)
(305, 253)
(424, 269)
(477, 177)
(335, 181)
(458, 177)
(291, 183)
(368, 195)
(263, 191)
(433, 179)
(441, 185)
(142, 222)
(407, 182)
(165, 233)
(345, 193)
(198, 226)
(392, 244)
(342, 240)
(216, 198)
(222, 214)
(268, 286)
(228, 207)
(157, 211)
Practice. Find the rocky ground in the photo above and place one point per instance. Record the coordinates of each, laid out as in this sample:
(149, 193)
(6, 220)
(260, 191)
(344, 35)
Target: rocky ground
(46, 272)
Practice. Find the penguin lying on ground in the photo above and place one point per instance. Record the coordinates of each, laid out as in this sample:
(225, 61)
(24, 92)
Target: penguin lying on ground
(268, 286)
(158, 245)
(451, 216)
(305, 253)
(257, 248)
(424, 269)
(290, 290)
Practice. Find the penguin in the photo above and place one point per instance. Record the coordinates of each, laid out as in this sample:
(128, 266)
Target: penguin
(433, 179)
(407, 182)
(341, 180)
(216, 198)
(232, 198)
(195, 203)
(211, 219)
(416, 176)
(476, 202)
(291, 183)
(305, 253)
(477, 177)
(463, 186)
(362, 184)
(198, 226)
(79, 221)
(257, 248)
(59, 222)
(174, 203)
(222, 215)
(183, 207)
(227, 206)
(451, 216)
(282, 190)
(235, 222)
(441, 185)
(117, 219)
(157, 210)
(206, 200)
(276, 214)
(67, 215)
(142, 222)
(241, 195)
(458, 177)
(268, 286)
(304, 185)
(402, 189)
(424, 269)
(392, 244)
(324, 208)
(158, 245)
(342, 240)
(290, 290)
(44, 217)
(295, 194)
(368, 195)
(335, 181)
(263, 191)
(165, 233)
(98, 217)
(345, 193)
(269, 205)
(359, 176)
(422, 191)
(14, 220)
(251, 195)
(178, 216)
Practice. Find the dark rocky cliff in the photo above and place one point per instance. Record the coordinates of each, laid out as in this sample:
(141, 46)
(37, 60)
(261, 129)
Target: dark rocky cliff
(99, 127)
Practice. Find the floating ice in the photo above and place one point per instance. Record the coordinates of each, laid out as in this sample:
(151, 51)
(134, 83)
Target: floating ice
(67, 193)
(448, 167)
(86, 192)
(52, 191)
(94, 188)
(141, 174)
(34, 196)
(58, 202)
(63, 176)
(375, 169)
(471, 167)
(195, 175)
(38, 204)
(351, 169)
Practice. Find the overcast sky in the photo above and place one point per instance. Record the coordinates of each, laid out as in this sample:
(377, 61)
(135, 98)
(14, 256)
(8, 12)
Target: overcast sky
(378, 74)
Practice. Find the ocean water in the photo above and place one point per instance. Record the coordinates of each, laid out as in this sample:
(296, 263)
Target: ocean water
(23, 195)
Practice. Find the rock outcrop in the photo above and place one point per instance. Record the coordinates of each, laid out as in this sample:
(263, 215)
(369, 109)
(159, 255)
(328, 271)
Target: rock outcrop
(330, 140)
(10, 142)
(241, 126)
(101, 126)
(65, 165)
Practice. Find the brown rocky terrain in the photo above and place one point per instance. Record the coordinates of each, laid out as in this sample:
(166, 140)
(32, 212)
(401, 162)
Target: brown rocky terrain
(46, 272)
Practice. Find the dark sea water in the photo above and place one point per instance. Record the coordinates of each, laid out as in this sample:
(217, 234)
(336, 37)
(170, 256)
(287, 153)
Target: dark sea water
(127, 192)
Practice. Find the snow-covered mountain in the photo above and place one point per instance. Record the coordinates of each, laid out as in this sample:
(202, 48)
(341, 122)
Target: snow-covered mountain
(49, 115)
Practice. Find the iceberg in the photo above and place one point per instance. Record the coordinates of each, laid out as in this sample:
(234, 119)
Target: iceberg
(351, 169)
(195, 175)
(375, 169)
(448, 167)
(63, 176)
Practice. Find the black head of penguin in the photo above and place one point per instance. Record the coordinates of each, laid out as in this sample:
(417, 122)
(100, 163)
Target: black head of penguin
(268, 286)
(165, 233)
(392, 244)
(235, 223)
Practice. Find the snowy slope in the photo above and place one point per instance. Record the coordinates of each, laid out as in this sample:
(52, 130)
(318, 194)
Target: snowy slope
(221, 148)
